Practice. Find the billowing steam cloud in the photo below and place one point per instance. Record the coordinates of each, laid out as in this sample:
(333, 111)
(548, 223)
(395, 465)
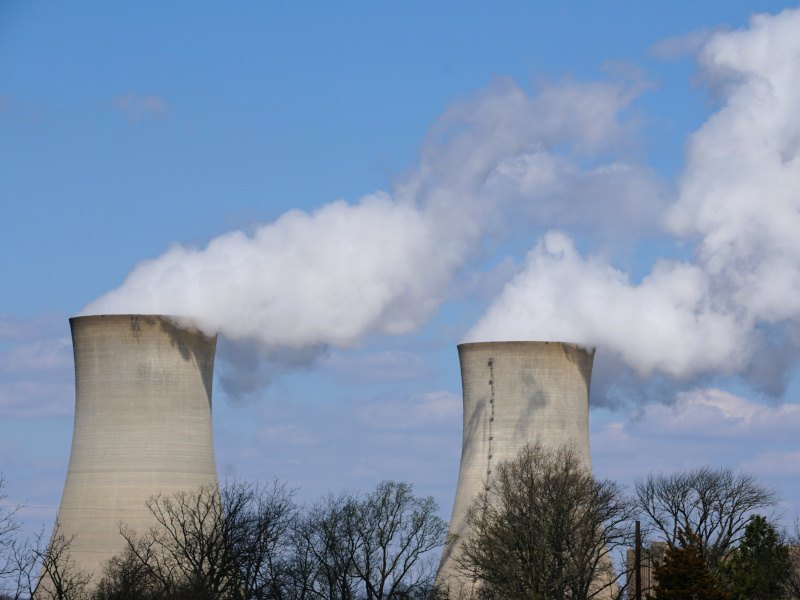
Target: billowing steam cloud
(325, 277)
(507, 163)
(738, 200)
(383, 265)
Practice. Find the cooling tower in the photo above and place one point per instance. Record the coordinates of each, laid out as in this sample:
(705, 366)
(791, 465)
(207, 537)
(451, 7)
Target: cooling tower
(515, 393)
(142, 427)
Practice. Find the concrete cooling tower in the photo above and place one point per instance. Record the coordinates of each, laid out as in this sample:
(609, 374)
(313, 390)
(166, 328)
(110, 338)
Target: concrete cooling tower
(142, 427)
(515, 393)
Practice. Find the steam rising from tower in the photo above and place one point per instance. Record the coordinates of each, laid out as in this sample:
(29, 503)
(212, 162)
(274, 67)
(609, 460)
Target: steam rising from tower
(142, 427)
(556, 164)
(515, 393)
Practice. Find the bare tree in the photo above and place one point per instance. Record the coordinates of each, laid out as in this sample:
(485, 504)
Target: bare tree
(136, 574)
(376, 547)
(545, 529)
(229, 544)
(713, 503)
(185, 554)
(8, 529)
(259, 522)
(393, 533)
(60, 578)
(325, 547)
(188, 547)
(250, 542)
(46, 571)
(22, 576)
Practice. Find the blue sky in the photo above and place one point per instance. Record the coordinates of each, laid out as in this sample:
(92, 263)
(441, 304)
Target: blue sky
(538, 147)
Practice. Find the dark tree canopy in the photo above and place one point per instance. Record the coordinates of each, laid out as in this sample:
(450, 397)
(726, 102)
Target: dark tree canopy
(759, 568)
(684, 572)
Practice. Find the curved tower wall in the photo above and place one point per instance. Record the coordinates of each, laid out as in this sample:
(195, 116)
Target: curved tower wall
(142, 427)
(515, 393)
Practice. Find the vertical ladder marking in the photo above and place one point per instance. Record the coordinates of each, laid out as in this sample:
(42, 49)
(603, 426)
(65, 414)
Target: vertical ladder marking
(490, 412)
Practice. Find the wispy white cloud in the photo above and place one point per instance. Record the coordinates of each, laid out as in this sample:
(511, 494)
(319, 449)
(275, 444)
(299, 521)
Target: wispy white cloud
(290, 434)
(323, 445)
(18, 328)
(136, 108)
(365, 367)
(35, 368)
(775, 464)
(714, 413)
(28, 399)
(40, 356)
(680, 46)
(419, 411)
(703, 426)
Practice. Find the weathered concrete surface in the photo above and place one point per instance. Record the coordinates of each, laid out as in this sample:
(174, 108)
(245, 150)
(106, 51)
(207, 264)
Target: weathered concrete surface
(515, 393)
(142, 427)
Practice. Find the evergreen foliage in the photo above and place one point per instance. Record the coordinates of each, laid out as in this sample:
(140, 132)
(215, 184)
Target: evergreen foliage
(684, 573)
(758, 569)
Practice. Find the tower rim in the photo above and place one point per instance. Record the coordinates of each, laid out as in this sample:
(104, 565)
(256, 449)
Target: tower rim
(589, 348)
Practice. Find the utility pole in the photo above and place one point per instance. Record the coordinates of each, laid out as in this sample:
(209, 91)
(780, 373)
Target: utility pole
(637, 564)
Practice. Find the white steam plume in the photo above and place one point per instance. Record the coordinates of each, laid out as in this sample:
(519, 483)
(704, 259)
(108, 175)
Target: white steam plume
(738, 201)
(384, 264)
(326, 277)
